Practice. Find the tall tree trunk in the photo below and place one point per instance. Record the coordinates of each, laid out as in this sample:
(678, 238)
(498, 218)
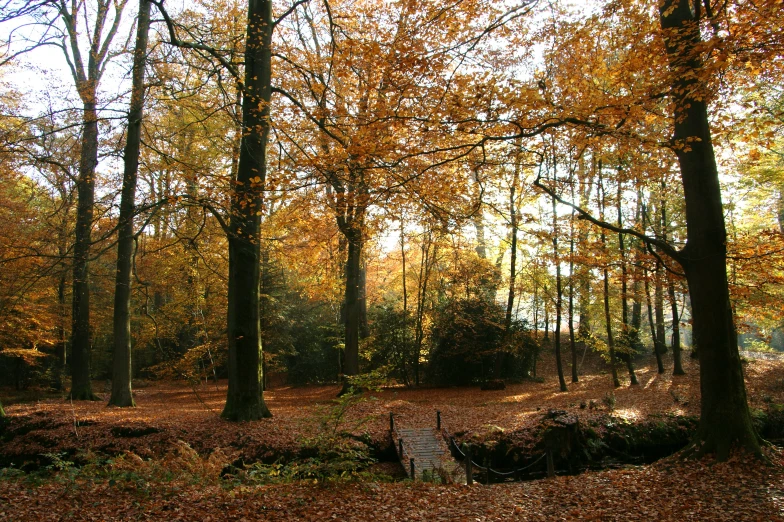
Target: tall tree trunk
(245, 399)
(404, 338)
(364, 329)
(661, 331)
(724, 420)
(584, 271)
(61, 351)
(425, 267)
(638, 275)
(677, 352)
(352, 302)
(606, 285)
(546, 312)
(535, 306)
(510, 296)
(81, 388)
(676, 332)
(122, 369)
(86, 76)
(608, 324)
(558, 301)
(627, 334)
(652, 324)
(572, 340)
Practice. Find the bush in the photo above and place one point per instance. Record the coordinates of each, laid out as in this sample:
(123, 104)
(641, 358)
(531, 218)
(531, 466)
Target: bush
(24, 368)
(392, 343)
(469, 336)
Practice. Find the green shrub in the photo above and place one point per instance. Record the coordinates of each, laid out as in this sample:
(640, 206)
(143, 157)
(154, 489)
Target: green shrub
(469, 336)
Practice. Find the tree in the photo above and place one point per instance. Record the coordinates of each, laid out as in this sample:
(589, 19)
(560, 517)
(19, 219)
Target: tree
(724, 418)
(245, 396)
(725, 421)
(121, 371)
(86, 75)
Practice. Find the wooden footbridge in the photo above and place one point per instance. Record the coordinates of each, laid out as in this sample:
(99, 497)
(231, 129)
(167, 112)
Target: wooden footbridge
(424, 453)
(428, 454)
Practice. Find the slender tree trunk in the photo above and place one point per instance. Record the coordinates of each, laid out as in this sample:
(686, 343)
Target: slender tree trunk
(364, 329)
(661, 332)
(535, 306)
(627, 334)
(572, 340)
(424, 276)
(62, 338)
(584, 272)
(558, 301)
(725, 420)
(404, 339)
(403, 261)
(122, 369)
(245, 400)
(608, 323)
(652, 324)
(606, 284)
(638, 249)
(510, 297)
(546, 312)
(676, 331)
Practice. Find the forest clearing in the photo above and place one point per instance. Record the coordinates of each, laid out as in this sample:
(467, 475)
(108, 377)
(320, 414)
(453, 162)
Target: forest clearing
(170, 456)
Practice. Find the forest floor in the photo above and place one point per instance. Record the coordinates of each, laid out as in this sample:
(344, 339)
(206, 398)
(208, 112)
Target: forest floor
(166, 459)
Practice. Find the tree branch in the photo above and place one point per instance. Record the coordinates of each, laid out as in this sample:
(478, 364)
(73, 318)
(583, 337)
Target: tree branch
(583, 214)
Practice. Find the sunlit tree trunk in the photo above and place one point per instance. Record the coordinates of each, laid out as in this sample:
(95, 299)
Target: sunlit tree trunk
(676, 331)
(427, 261)
(677, 351)
(510, 296)
(606, 285)
(652, 324)
(627, 334)
(558, 300)
(86, 74)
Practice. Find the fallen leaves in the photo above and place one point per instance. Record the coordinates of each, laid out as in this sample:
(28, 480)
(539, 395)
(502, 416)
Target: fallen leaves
(173, 421)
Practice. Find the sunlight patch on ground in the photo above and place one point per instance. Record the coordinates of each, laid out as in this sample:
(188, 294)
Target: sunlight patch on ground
(627, 414)
(516, 398)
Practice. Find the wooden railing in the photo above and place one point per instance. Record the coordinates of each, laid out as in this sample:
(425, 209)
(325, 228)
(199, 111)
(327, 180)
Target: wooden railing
(400, 450)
